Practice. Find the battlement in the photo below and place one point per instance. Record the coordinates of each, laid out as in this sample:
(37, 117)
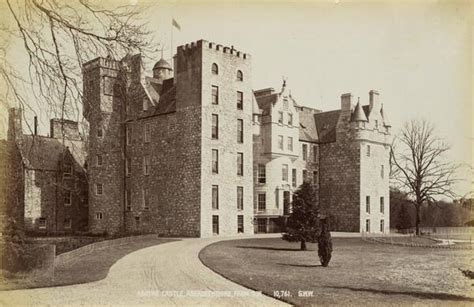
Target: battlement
(101, 62)
(201, 44)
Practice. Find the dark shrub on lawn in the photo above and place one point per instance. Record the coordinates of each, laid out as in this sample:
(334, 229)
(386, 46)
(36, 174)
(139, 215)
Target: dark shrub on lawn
(324, 244)
(21, 257)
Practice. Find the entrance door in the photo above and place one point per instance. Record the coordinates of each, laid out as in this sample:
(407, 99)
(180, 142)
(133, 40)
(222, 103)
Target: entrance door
(286, 203)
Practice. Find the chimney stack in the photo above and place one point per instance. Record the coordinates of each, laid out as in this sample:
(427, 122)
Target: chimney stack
(374, 100)
(36, 125)
(346, 102)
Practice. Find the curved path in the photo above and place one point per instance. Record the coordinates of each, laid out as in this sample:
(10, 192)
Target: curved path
(158, 275)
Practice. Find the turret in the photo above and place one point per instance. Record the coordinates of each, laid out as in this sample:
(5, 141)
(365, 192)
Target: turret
(162, 70)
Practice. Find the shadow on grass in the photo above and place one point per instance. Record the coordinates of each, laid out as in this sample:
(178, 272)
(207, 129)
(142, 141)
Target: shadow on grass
(275, 248)
(302, 265)
(422, 295)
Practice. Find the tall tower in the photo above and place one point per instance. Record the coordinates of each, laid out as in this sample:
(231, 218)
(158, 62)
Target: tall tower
(104, 109)
(214, 107)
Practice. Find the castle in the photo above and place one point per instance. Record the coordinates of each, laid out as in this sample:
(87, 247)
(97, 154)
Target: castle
(195, 151)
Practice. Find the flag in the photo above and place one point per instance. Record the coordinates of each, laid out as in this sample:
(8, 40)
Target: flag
(176, 25)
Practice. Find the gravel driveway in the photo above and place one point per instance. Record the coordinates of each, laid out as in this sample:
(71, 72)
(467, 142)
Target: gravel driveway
(166, 274)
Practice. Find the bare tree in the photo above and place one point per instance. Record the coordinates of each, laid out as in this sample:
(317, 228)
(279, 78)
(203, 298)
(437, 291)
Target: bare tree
(418, 166)
(57, 37)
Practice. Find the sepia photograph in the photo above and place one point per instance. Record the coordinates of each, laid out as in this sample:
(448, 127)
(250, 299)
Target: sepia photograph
(236, 153)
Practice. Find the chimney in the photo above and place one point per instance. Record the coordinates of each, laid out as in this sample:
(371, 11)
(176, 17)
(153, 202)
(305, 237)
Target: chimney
(64, 128)
(374, 100)
(15, 129)
(36, 125)
(346, 102)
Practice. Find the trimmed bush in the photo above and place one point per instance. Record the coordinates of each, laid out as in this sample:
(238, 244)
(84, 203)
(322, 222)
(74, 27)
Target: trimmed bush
(324, 244)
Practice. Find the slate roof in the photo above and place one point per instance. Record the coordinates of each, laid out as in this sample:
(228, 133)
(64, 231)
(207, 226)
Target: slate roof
(45, 153)
(308, 130)
(358, 114)
(167, 102)
(326, 125)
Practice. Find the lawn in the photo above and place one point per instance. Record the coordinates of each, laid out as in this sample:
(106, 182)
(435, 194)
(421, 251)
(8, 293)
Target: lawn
(86, 268)
(359, 273)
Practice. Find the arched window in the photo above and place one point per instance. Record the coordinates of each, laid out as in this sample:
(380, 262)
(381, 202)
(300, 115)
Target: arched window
(240, 76)
(215, 69)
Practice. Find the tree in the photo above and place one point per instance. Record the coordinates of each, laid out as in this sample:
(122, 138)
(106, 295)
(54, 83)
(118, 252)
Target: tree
(57, 37)
(324, 244)
(418, 166)
(404, 218)
(303, 222)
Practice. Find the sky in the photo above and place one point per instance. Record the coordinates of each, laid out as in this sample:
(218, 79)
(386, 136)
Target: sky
(417, 54)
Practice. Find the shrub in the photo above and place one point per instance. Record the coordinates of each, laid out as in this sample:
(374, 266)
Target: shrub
(324, 244)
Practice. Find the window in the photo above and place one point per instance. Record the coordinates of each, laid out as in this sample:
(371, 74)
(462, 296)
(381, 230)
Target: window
(215, 224)
(293, 177)
(376, 124)
(285, 103)
(42, 223)
(215, 197)
(98, 189)
(305, 152)
(240, 224)
(367, 225)
(147, 133)
(67, 170)
(368, 150)
(215, 161)
(315, 177)
(280, 142)
(99, 131)
(240, 76)
(98, 216)
(277, 198)
(382, 205)
(382, 225)
(261, 173)
(215, 126)
(290, 143)
(240, 131)
(146, 199)
(137, 221)
(284, 172)
(128, 200)
(146, 165)
(315, 154)
(382, 171)
(262, 202)
(305, 175)
(240, 198)
(240, 101)
(240, 164)
(145, 104)
(128, 135)
(67, 224)
(128, 166)
(367, 204)
(290, 119)
(280, 117)
(215, 95)
(261, 225)
(99, 160)
(67, 198)
(215, 69)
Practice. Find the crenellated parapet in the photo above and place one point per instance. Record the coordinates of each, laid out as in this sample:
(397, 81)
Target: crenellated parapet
(191, 48)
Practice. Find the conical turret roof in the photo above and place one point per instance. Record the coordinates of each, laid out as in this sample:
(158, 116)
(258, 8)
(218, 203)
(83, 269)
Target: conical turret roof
(359, 114)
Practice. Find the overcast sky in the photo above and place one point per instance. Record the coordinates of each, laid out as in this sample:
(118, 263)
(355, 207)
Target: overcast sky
(416, 54)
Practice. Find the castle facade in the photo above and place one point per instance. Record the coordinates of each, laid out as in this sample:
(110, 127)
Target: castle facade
(194, 151)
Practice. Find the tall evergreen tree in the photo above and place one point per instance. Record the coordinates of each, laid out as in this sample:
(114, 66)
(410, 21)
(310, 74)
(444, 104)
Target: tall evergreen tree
(303, 222)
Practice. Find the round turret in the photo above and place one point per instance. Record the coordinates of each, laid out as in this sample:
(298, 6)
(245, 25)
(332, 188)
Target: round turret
(162, 70)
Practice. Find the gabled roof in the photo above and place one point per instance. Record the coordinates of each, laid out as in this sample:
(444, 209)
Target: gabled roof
(326, 125)
(45, 153)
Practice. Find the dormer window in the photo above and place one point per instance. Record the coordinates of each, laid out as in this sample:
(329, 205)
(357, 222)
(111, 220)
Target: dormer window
(67, 170)
(280, 117)
(290, 119)
(215, 69)
(376, 123)
(240, 76)
(145, 104)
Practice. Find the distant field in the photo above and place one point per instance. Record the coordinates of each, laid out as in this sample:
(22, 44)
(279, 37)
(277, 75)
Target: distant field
(360, 273)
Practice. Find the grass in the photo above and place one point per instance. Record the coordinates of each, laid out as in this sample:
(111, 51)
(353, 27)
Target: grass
(86, 268)
(409, 240)
(359, 272)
